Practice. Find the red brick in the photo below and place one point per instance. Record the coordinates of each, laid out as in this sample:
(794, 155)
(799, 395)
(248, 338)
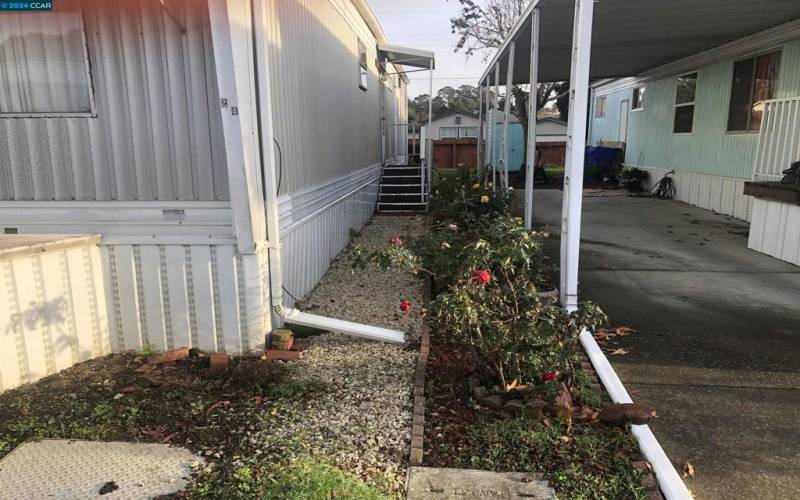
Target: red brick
(218, 362)
(166, 357)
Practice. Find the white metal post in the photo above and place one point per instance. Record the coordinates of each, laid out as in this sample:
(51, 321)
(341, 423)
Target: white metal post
(429, 144)
(507, 111)
(494, 108)
(489, 161)
(576, 145)
(480, 127)
(530, 159)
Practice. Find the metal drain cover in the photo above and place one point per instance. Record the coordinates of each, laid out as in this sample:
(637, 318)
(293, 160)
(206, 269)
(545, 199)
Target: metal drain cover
(63, 469)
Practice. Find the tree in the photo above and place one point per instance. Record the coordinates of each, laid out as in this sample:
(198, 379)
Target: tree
(484, 25)
(448, 99)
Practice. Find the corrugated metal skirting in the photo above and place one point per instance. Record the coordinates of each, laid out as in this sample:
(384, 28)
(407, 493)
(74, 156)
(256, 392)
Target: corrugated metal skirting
(52, 313)
(775, 230)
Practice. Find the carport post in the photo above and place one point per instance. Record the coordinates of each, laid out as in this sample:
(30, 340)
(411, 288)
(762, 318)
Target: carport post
(530, 157)
(489, 155)
(576, 145)
(480, 128)
(507, 111)
(494, 107)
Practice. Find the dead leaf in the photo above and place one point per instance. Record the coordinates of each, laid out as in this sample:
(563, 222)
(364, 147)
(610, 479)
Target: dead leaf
(634, 392)
(153, 431)
(619, 352)
(144, 369)
(546, 421)
(218, 404)
(688, 470)
(512, 385)
(565, 439)
(587, 415)
(563, 407)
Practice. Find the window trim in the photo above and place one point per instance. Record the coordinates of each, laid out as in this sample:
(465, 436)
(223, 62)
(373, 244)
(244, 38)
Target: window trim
(748, 130)
(675, 104)
(92, 113)
(641, 101)
(597, 100)
(362, 84)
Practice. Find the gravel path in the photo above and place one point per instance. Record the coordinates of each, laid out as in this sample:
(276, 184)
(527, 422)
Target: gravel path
(363, 422)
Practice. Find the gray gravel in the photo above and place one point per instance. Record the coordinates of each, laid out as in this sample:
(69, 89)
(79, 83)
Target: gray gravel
(363, 423)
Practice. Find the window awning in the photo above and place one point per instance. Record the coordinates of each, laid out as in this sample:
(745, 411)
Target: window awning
(406, 57)
(631, 37)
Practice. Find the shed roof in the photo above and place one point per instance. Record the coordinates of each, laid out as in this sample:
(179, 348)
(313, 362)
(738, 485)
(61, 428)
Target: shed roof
(631, 37)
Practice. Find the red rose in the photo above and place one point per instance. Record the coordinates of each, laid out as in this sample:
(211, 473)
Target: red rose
(481, 277)
(549, 376)
(395, 240)
(405, 305)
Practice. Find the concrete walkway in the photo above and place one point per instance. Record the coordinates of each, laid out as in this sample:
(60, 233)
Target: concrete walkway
(718, 353)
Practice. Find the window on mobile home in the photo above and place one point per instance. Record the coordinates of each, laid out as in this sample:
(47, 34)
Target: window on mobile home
(755, 80)
(44, 68)
(362, 66)
(638, 98)
(600, 107)
(685, 91)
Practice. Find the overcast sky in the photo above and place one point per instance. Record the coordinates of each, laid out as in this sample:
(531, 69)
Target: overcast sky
(425, 24)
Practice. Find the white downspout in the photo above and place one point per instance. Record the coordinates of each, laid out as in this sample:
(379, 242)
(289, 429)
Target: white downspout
(296, 317)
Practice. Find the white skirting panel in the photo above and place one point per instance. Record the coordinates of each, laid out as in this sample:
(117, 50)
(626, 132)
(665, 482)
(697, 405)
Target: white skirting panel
(775, 230)
(203, 296)
(721, 194)
(52, 310)
(316, 225)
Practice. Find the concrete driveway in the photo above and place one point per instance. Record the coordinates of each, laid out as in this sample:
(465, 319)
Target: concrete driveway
(718, 348)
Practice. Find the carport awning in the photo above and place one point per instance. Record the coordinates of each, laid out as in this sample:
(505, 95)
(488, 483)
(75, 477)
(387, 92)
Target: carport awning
(632, 36)
(407, 57)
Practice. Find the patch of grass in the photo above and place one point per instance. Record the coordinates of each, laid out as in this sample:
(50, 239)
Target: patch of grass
(303, 478)
(587, 464)
(554, 169)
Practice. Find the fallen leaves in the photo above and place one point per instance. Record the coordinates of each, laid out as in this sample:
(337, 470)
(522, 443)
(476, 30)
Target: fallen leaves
(563, 407)
(688, 470)
(619, 352)
(604, 337)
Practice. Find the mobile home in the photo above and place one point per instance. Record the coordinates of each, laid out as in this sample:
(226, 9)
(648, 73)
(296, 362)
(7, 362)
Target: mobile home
(218, 153)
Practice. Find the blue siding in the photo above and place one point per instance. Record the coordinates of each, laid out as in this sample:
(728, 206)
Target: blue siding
(709, 149)
(515, 159)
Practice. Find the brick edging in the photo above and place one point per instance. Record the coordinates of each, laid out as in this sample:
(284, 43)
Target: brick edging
(418, 419)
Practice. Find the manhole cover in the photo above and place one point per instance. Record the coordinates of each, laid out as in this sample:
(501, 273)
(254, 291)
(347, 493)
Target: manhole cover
(63, 469)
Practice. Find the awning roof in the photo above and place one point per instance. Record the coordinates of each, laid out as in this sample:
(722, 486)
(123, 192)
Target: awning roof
(632, 36)
(406, 56)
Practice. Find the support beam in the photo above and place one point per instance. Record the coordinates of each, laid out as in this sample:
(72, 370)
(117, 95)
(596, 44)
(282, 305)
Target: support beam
(576, 145)
(489, 128)
(480, 128)
(232, 38)
(429, 144)
(507, 113)
(494, 108)
(530, 157)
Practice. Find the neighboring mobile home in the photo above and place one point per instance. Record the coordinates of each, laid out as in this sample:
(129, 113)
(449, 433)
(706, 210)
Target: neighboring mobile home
(719, 119)
(222, 155)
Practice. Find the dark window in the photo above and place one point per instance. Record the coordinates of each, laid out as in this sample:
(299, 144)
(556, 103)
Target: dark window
(685, 91)
(600, 107)
(638, 98)
(754, 80)
(362, 66)
(458, 120)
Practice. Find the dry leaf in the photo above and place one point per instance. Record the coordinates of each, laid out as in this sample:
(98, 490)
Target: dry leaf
(565, 439)
(688, 470)
(546, 421)
(512, 385)
(563, 406)
(619, 352)
(218, 404)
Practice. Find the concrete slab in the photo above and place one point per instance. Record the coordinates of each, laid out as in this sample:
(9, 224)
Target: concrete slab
(62, 469)
(431, 483)
(718, 348)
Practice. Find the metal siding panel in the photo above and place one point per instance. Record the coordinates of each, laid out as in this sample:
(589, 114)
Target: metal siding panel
(203, 308)
(146, 142)
(178, 297)
(32, 329)
(13, 357)
(83, 295)
(152, 293)
(791, 237)
(229, 304)
(128, 301)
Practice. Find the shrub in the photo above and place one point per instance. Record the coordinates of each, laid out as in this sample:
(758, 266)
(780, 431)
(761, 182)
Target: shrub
(633, 179)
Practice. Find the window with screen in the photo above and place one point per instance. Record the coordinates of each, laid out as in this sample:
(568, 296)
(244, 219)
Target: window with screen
(362, 66)
(600, 107)
(468, 132)
(755, 80)
(638, 98)
(685, 92)
(448, 132)
(43, 64)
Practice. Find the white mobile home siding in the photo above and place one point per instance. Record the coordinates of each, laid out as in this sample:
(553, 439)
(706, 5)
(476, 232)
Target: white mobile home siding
(711, 163)
(327, 129)
(156, 134)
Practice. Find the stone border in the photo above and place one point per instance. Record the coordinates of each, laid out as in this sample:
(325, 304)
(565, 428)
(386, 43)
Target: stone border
(418, 419)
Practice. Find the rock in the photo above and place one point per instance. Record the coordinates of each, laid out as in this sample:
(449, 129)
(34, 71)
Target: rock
(494, 401)
(282, 339)
(535, 407)
(274, 354)
(108, 488)
(514, 406)
(473, 381)
(169, 356)
(627, 413)
(480, 393)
